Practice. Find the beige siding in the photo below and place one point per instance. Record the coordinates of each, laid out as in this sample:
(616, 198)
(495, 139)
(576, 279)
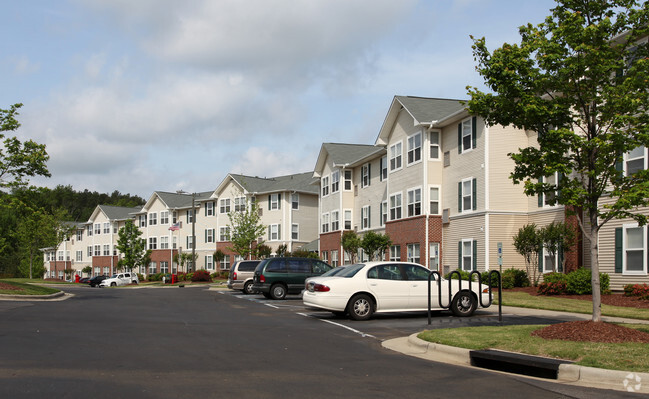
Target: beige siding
(502, 228)
(463, 228)
(504, 195)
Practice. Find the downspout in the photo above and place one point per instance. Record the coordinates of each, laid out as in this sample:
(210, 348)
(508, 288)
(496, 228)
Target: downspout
(341, 214)
(486, 196)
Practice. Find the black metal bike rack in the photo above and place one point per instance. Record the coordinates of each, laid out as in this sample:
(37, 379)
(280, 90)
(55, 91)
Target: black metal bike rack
(450, 290)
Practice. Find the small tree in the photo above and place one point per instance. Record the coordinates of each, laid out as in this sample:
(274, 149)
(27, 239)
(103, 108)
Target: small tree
(375, 245)
(131, 246)
(262, 251)
(245, 228)
(218, 257)
(282, 250)
(529, 244)
(87, 270)
(351, 242)
(557, 237)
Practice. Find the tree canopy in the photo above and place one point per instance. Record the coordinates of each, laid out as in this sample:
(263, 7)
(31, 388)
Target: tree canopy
(245, 229)
(579, 79)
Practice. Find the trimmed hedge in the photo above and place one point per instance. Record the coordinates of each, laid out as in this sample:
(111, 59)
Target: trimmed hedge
(577, 283)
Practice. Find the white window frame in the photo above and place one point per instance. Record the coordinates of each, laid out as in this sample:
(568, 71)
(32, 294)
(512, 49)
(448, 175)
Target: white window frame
(365, 218)
(153, 218)
(395, 253)
(274, 232)
(414, 149)
(434, 145)
(636, 157)
(164, 217)
(79, 256)
(414, 252)
(335, 220)
(209, 236)
(468, 181)
(335, 181)
(295, 201)
(348, 176)
(153, 242)
(164, 242)
(467, 123)
(274, 201)
(470, 256)
(209, 262)
(348, 219)
(555, 177)
(98, 228)
(384, 213)
(324, 226)
(413, 201)
(396, 156)
(432, 201)
(625, 249)
(366, 177)
(383, 168)
(555, 261)
(224, 233)
(396, 210)
(433, 256)
(295, 231)
(334, 258)
(325, 186)
(239, 204)
(224, 206)
(106, 227)
(209, 209)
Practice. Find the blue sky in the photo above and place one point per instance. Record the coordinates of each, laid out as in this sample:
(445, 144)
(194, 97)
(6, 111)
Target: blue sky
(148, 95)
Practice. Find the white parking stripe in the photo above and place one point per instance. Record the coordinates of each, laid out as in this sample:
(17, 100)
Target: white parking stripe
(362, 334)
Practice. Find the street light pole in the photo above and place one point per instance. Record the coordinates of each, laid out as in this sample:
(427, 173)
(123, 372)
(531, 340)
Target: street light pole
(193, 230)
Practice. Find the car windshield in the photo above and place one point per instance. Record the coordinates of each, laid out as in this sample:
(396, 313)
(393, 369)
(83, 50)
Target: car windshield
(334, 272)
(350, 271)
(113, 276)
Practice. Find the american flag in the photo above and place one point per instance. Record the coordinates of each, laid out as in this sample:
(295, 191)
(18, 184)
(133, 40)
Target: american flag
(174, 227)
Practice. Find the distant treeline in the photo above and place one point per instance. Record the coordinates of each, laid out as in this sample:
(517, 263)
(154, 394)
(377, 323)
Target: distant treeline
(78, 204)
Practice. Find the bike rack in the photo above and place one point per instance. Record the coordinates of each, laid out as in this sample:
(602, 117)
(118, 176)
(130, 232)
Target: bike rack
(450, 291)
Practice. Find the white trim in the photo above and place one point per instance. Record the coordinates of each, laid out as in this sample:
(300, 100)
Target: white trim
(626, 272)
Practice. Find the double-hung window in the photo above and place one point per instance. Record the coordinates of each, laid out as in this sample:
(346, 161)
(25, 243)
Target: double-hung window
(348, 219)
(325, 222)
(414, 202)
(467, 254)
(224, 205)
(434, 200)
(209, 209)
(466, 135)
(106, 227)
(335, 220)
(395, 156)
(467, 200)
(635, 160)
(395, 206)
(384, 212)
(153, 219)
(414, 148)
(335, 181)
(164, 242)
(549, 198)
(224, 234)
(348, 180)
(395, 253)
(153, 243)
(631, 249)
(295, 231)
(325, 186)
(383, 168)
(365, 217)
(274, 201)
(366, 171)
(413, 253)
(98, 227)
(164, 217)
(295, 201)
(274, 232)
(209, 235)
(434, 145)
(239, 204)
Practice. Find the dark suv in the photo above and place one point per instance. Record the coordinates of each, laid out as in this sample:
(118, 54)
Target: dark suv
(95, 281)
(241, 276)
(277, 277)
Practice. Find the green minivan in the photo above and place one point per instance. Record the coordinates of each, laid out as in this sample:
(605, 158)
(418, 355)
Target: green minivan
(277, 277)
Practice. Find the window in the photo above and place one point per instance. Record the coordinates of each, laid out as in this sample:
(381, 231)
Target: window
(395, 206)
(549, 263)
(335, 220)
(97, 228)
(89, 231)
(209, 235)
(348, 219)
(395, 253)
(106, 271)
(274, 201)
(164, 267)
(631, 249)
(383, 168)
(335, 181)
(434, 145)
(224, 205)
(190, 242)
(106, 227)
(153, 242)
(79, 235)
(106, 250)
(467, 200)
(97, 250)
(395, 156)
(209, 262)
(434, 200)
(414, 202)
(174, 242)
(190, 216)
(164, 217)
(79, 257)
(467, 254)
(295, 231)
(466, 135)
(240, 204)
(325, 186)
(384, 212)
(225, 263)
(635, 160)
(89, 252)
(325, 256)
(142, 220)
(153, 268)
(549, 198)
(414, 148)
(334, 258)
(365, 217)
(325, 223)
(164, 242)
(153, 219)
(274, 232)
(348, 180)
(413, 253)
(209, 209)
(174, 217)
(224, 233)
(365, 175)
(295, 201)
(433, 256)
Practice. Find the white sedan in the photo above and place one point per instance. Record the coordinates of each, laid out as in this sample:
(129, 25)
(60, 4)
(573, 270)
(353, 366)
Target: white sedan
(363, 289)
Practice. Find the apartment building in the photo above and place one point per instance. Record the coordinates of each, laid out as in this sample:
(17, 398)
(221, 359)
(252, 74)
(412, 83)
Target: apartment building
(436, 180)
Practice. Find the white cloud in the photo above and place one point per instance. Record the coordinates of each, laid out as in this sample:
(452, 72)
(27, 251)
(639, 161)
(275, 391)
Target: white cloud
(22, 65)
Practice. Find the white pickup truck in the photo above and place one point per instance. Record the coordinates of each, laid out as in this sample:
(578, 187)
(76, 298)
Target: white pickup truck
(120, 279)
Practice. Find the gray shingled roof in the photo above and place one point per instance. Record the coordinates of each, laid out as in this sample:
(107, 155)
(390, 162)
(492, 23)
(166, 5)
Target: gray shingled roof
(119, 212)
(301, 182)
(178, 201)
(430, 109)
(342, 154)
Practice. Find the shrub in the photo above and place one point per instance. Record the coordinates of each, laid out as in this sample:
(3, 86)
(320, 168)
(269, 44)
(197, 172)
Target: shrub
(641, 291)
(515, 278)
(201, 275)
(140, 277)
(555, 278)
(552, 288)
(485, 279)
(579, 282)
(463, 274)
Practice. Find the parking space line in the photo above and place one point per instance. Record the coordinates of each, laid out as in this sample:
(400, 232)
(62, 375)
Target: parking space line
(362, 334)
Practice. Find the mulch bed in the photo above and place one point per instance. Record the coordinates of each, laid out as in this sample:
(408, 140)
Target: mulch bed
(10, 287)
(590, 331)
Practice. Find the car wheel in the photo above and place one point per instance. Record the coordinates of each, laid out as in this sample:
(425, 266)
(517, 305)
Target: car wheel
(266, 295)
(113, 284)
(464, 304)
(278, 291)
(134, 282)
(247, 288)
(360, 307)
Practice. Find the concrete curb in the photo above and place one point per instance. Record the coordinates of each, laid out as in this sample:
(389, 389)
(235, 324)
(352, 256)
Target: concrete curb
(32, 297)
(568, 373)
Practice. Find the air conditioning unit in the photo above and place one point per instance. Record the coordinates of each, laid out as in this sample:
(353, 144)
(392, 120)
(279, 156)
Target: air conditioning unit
(445, 215)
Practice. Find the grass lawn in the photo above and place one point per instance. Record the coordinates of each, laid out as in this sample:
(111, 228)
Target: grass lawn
(525, 300)
(627, 357)
(25, 289)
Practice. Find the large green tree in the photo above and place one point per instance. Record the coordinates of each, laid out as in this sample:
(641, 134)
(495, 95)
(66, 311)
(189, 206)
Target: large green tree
(579, 79)
(375, 245)
(245, 229)
(131, 246)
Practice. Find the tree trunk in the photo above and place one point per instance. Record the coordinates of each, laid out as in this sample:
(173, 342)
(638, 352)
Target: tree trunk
(594, 270)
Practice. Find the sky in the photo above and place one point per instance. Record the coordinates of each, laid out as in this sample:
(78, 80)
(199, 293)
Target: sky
(164, 95)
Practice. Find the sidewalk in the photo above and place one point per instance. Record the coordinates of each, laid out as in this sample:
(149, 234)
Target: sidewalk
(568, 373)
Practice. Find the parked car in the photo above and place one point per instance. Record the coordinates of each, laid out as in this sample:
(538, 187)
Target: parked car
(331, 272)
(84, 280)
(95, 281)
(120, 279)
(241, 274)
(277, 277)
(373, 287)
